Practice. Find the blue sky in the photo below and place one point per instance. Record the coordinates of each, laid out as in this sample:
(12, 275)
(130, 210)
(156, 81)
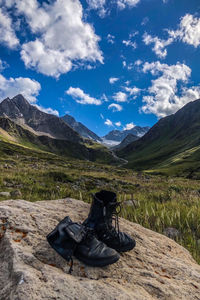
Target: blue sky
(110, 64)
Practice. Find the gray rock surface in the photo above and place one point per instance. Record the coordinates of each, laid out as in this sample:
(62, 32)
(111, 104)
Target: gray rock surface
(158, 268)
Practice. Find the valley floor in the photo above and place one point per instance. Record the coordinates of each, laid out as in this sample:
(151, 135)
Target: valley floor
(154, 201)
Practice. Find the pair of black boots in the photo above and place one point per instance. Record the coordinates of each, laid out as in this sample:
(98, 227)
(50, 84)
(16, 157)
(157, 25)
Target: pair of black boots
(95, 242)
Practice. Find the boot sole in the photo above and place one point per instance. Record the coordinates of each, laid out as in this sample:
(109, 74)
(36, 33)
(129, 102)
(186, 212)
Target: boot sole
(98, 263)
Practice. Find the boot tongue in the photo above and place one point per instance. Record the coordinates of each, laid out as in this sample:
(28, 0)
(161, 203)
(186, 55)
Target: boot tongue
(109, 211)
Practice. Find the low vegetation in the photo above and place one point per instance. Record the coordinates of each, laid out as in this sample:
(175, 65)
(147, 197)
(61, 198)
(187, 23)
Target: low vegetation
(154, 201)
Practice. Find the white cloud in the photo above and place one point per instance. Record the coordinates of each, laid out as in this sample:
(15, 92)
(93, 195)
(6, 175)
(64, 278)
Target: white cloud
(129, 126)
(127, 3)
(29, 88)
(118, 124)
(129, 43)
(145, 21)
(115, 107)
(159, 44)
(124, 64)
(47, 110)
(138, 62)
(98, 5)
(188, 31)
(111, 38)
(132, 91)
(7, 33)
(113, 80)
(63, 40)
(108, 122)
(120, 97)
(80, 97)
(3, 65)
(104, 98)
(163, 96)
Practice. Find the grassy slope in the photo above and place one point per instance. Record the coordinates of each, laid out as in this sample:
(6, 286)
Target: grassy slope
(171, 146)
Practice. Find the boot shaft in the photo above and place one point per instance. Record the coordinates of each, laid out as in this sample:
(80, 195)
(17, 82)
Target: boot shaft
(103, 205)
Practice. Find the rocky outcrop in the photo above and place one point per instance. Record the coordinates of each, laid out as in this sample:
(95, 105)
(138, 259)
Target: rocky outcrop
(158, 268)
(22, 112)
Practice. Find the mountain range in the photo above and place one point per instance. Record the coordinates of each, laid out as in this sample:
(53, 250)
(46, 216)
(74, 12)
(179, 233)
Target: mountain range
(26, 125)
(119, 135)
(171, 146)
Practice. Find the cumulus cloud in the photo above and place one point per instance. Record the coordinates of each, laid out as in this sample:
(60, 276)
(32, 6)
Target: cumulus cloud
(159, 45)
(108, 122)
(132, 90)
(120, 97)
(29, 88)
(113, 80)
(47, 110)
(129, 126)
(80, 97)
(188, 31)
(163, 96)
(115, 107)
(98, 5)
(127, 3)
(63, 40)
(118, 124)
(7, 33)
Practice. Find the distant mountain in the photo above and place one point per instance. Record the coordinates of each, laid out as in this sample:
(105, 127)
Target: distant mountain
(20, 111)
(14, 134)
(119, 135)
(127, 140)
(171, 145)
(80, 128)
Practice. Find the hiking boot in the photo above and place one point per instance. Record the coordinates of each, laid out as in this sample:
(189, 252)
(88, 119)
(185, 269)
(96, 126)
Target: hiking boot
(69, 238)
(64, 238)
(103, 209)
(93, 252)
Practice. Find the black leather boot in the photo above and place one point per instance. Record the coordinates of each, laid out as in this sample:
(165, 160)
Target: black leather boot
(103, 208)
(93, 252)
(69, 238)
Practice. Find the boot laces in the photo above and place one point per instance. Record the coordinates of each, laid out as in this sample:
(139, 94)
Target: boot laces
(114, 217)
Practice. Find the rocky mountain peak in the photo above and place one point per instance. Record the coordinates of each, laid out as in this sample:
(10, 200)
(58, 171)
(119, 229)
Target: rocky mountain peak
(80, 128)
(22, 112)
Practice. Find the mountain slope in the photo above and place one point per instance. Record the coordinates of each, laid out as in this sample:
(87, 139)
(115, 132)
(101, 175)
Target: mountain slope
(13, 133)
(19, 110)
(127, 140)
(80, 128)
(118, 135)
(172, 144)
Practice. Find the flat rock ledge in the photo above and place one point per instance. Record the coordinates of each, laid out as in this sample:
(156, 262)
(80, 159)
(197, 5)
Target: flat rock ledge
(158, 268)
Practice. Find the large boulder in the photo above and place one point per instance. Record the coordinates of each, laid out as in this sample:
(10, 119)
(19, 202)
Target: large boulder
(158, 268)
